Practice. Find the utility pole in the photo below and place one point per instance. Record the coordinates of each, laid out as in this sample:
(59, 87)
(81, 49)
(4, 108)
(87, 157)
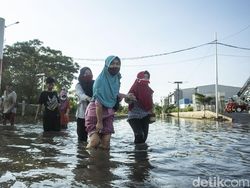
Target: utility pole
(178, 97)
(2, 27)
(216, 77)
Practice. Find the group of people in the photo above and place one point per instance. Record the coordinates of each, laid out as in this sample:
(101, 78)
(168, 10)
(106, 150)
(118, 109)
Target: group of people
(56, 108)
(98, 100)
(97, 103)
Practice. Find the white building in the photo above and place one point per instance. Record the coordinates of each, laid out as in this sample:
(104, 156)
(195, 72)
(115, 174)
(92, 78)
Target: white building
(224, 92)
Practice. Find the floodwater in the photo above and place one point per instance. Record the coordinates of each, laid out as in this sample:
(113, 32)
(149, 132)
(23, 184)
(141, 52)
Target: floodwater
(185, 153)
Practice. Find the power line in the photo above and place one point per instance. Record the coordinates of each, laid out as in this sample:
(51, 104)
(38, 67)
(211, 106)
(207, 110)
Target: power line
(230, 55)
(88, 59)
(164, 63)
(148, 56)
(238, 32)
(181, 61)
(232, 46)
(166, 53)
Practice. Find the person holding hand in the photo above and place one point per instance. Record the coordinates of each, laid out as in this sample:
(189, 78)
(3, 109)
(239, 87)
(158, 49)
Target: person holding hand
(84, 93)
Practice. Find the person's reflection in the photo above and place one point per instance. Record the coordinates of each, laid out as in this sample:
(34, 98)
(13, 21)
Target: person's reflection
(141, 167)
(94, 167)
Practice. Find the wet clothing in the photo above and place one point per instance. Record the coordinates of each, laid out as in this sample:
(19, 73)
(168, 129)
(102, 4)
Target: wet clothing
(81, 130)
(140, 129)
(51, 116)
(139, 122)
(10, 117)
(64, 118)
(91, 119)
(80, 113)
(8, 101)
(140, 110)
(105, 92)
(9, 107)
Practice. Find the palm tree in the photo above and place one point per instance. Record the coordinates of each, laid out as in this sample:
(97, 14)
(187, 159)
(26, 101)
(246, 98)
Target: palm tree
(202, 99)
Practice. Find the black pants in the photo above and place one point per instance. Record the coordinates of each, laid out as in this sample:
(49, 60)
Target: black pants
(51, 121)
(140, 129)
(81, 132)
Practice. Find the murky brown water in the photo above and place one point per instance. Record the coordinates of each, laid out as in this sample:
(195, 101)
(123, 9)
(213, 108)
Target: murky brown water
(175, 155)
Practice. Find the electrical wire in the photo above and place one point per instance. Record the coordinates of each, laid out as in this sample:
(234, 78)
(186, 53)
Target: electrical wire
(238, 32)
(166, 53)
(232, 46)
(164, 63)
(230, 55)
(148, 56)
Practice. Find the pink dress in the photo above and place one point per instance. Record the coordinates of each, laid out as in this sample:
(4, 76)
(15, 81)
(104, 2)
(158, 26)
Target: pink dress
(91, 120)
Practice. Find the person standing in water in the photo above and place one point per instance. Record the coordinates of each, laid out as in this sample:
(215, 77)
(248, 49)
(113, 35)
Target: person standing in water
(84, 93)
(141, 107)
(50, 100)
(9, 104)
(99, 115)
(64, 109)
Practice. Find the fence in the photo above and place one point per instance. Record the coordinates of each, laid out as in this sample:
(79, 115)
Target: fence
(26, 113)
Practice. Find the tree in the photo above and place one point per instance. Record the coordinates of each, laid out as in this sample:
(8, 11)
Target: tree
(24, 60)
(157, 109)
(202, 99)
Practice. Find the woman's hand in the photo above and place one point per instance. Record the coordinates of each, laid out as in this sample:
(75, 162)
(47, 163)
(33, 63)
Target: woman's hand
(88, 99)
(99, 127)
(130, 98)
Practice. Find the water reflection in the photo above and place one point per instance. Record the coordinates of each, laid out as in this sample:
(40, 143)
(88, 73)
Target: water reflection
(175, 154)
(140, 166)
(94, 167)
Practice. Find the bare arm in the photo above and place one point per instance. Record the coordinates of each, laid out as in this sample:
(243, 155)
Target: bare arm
(99, 113)
(38, 111)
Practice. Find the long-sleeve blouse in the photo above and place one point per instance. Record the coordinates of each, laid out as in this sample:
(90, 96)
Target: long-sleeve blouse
(82, 101)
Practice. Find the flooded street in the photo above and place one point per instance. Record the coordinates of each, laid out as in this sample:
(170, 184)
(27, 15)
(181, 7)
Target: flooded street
(177, 154)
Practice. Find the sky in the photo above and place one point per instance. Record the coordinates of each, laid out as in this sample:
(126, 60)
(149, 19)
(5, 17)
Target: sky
(95, 29)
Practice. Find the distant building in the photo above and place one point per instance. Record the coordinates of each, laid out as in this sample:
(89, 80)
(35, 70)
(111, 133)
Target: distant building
(209, 90)
(186, 96)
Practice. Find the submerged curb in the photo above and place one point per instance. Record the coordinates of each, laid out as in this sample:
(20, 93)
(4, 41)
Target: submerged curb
(202, 115)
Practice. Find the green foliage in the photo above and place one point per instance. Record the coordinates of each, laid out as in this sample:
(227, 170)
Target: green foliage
(202, 99)
(157, 109)
(24, 60)
(170, 108)
(73, 105)
(187, 109)
(122, 110)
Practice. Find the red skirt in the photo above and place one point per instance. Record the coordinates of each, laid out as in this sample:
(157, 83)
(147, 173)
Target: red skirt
(64, 119)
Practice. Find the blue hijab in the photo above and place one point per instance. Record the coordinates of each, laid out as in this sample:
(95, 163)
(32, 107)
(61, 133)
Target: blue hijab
(106, 87)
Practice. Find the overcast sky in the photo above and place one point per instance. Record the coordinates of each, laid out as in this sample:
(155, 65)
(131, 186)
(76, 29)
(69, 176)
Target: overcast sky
(95, 29)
